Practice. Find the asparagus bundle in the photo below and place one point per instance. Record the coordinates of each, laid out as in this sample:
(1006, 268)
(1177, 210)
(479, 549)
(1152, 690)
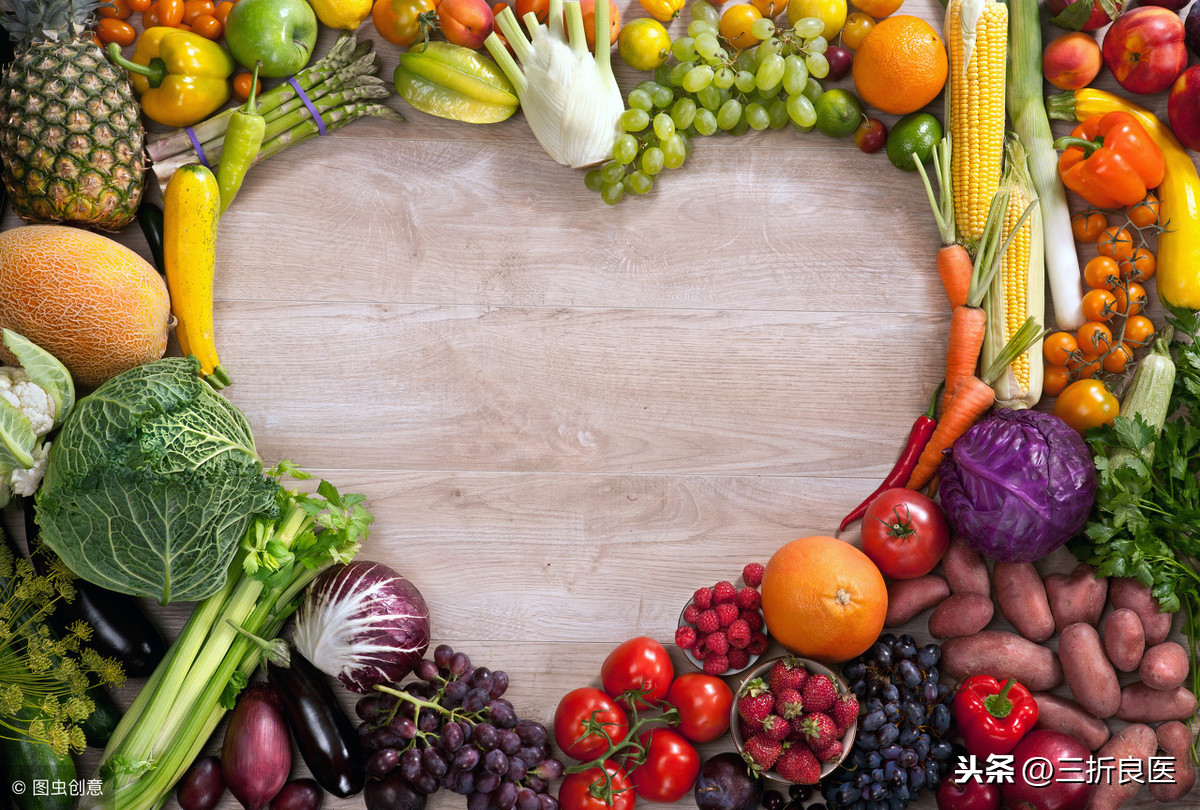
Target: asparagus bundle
(342, 87)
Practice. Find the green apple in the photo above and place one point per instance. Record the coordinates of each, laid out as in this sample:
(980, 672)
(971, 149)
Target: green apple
(279, 33)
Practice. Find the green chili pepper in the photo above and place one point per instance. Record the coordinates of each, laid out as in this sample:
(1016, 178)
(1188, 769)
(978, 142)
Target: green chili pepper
(150, 217)
(243, 139)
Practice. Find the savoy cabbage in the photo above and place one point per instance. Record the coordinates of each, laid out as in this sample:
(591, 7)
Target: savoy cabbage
(152, 483)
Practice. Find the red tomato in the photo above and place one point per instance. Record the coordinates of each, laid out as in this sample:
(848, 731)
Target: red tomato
(638, 665)
(465, 22)
(703, 702)
(591, 706)
(670, 769)
(402, 22)
(904, 533)
(578, 790)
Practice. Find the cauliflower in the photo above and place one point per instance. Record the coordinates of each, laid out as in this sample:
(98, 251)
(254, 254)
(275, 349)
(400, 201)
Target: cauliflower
(25, 482)
(29, 398)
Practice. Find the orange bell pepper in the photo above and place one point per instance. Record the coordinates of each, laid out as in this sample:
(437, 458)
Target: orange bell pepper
(1110, 160)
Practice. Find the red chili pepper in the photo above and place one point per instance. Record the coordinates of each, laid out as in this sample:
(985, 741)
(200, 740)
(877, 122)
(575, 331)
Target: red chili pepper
(918, 437)
(993, 717)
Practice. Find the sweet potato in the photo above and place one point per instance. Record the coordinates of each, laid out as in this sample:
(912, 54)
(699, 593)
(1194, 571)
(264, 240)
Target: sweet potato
(1175, 739)
(1124, 639)
(1141, 704)
(1068, 717)
(1164, 666)
(1129, 593)
(965, 570)
(1078, 597)
(1132, 742)
(1091, 677)
(1002, 655)
(1022, 599)
(962, 614)
(908, 597)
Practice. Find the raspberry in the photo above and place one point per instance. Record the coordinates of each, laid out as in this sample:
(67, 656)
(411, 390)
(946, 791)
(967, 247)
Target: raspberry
(703, 598)
(685, 637)
(700, 650)
(758, 644)
(691, 613)
(752, 618)
(738, 659)
(749, 599)
(739, 634)
(717, 642)
(716, 664)
(724, 592)
(707, 622)
(752, 574)
(727, 614)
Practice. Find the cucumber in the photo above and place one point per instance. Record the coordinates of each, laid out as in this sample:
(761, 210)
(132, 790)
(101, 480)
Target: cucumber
(101, 723)
(26, 762)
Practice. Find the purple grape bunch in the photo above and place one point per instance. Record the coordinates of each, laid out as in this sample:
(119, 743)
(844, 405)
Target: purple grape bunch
(452, 728)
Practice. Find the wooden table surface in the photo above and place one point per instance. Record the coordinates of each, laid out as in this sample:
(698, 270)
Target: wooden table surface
(568, 416)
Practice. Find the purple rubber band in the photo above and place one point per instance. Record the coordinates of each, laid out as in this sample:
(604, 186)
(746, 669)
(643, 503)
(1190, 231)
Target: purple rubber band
(196, 145)
(307, 103)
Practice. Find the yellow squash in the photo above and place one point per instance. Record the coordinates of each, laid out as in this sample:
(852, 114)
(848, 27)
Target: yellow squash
(191, 208)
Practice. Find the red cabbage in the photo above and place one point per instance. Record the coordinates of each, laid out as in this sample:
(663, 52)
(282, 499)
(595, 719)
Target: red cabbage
(1017, 485)
(363, 624)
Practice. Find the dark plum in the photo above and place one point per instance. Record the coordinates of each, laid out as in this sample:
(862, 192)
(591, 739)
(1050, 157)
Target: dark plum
(202, 785)
(393, 792)
(725, 783)
(299, 794)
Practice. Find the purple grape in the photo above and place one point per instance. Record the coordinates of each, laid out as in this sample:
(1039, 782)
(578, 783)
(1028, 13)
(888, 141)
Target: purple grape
(486, 736)
(403, 727)
(549, 769)
(475, 700)
(364, 732)
(496, 761)
(531, 732)
(516, 769)
(367, 708)
(429, 721)
(426, 669)
(480, 676)
(467, 758)
(442, 654)
(547, 802)
(452, 738)
(420, 689)
(410, 764)
(425, 783)
(537, 785)
(505, 796)
(532, 754)
(458, 663)
(499, 683)
(510, 743)
(464, 783)
(487, 781)
(432, 762)
(382, 762)
(382, 738)
(455, 692)
(447, 780)
(479, 801)
(527, 799)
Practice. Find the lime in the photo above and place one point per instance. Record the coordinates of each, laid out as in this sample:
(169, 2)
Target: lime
(838, 113)
(644, 44)
(916, 133)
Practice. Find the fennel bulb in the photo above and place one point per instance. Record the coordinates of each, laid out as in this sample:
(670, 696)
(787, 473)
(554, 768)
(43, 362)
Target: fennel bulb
(570, 97)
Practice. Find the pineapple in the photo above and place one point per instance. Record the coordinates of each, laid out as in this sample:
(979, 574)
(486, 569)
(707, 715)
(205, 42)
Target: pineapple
(70, 136)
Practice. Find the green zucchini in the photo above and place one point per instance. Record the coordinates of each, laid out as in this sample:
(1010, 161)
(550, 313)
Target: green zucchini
(1148, 396)
(150, 218)
(101, 723)
(29, 762)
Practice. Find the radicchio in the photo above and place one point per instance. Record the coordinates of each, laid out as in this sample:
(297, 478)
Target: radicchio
(364, 624)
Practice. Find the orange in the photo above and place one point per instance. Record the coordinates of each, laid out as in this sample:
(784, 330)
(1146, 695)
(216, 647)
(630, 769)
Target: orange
(900, 66)
(822, 598)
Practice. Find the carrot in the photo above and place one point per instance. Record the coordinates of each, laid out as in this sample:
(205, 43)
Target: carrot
(954, 269)
(953, 261)
(967, 327)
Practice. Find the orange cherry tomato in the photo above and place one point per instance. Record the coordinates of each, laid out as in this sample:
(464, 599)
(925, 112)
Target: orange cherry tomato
(769, 8)
(1115, 361)
(222, 11)
(1088, 225)
(1113, 242)
(140, 6)
(241, 86)
(120, 10)
(184, 27)
(588, 7)
(110, 29)
(1099, 305)
(1086, 369)
(150, 17)
(1055, 379)
(540, 9)
(1139, 267)
(1131, 298)
(856, 28)
(1058, 348)
(194, 8)
(399, 21)
(1138, 330)
(1144, 213)
(1102, 273)
(208, 26)
(735, 25)
(1094, 339)
(1086, 404)
(170, 12)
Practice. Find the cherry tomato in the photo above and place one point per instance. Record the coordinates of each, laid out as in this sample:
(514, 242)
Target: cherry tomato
(1088, 225)
(110, 29)
(640, 664)
(703, 702)
(400, 21)
(208, 26)
(576, 791)
(1094, 338)
(769, 8)
(194, 8)
(150, 17)
(904, 533)
(170, 12)
(466, 23)
(663, 10)
(670, 769)
(1055, 379)
(1115, 242)
(1098, 305)
(1102, 273)
(1131, 299)
(1086, 368)
(241, 86)
(1139, 267)
(870, 136)
(1115, 361)
(222, 11)
(1085, 404)
(577, 707)
(120, 10)
(857, 26)
(1138, 330)
(1058, 348)
(588, 8)
(140, 6)
(735, 25)
(1144, 213)
(540, 9)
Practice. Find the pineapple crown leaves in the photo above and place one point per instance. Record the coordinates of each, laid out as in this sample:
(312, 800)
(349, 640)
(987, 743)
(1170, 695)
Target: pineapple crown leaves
(53, 20)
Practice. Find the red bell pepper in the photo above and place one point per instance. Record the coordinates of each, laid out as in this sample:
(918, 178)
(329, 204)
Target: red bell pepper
(992, 716)
(1110, 160)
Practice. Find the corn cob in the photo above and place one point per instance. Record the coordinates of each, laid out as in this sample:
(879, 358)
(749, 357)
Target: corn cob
(977, 42)
(1018, 290)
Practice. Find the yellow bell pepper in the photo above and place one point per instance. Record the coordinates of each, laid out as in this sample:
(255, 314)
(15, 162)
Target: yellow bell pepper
(181, 77)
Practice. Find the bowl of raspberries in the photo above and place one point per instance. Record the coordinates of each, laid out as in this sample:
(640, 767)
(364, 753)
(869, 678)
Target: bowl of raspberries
(793, 720)
(721, 628)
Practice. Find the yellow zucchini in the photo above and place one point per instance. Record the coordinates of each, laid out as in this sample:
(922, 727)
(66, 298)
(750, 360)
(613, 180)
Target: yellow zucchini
(191, 208)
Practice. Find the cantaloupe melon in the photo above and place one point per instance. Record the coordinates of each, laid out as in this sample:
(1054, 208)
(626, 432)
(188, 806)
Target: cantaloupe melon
(93, 303)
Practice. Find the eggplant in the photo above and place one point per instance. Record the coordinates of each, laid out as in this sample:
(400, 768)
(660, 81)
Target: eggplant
(327, 739)
(120, 628)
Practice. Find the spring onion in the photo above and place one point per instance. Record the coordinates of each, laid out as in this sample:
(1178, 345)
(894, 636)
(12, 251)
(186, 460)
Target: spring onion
(570, 99)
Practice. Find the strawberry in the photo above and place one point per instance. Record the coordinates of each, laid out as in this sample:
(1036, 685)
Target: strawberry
(776, 727)
(752, 574)
(760, 752)
(755, 701)
(789, 703)
(716, 664)
(831, 752)
(845, 712)
(707, 622)
(749, 727)
(727, 614)
(738, 659)
(739, 634)
(749, 599)
(818, 730)
(717, 642)
(787, 673)
(685, 637)
(703, 598)
(798, 765)
(819, 693)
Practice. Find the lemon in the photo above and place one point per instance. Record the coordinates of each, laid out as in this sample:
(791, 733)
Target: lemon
(644, 44)
(345, 14)
(830, 12)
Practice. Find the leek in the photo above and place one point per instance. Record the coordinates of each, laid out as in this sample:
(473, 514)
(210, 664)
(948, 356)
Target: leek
(1030, 122)
(570, 99)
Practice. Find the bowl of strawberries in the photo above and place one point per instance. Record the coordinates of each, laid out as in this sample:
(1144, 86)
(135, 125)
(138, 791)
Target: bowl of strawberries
(793, 720)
